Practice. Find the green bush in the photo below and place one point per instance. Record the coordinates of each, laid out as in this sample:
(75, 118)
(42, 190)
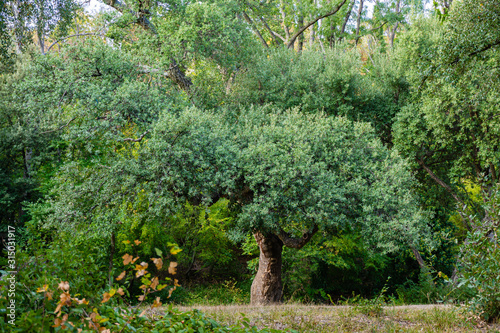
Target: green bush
(225, 293)
(373, 307)
(430, 289)
(54, 305)
(336, 82)
(479, 263)
(81, 264)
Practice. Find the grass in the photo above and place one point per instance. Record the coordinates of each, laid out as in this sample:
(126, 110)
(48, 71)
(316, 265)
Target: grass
(329, 319)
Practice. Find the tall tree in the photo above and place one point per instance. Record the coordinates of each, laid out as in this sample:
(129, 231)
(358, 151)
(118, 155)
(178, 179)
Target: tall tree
(287, 174)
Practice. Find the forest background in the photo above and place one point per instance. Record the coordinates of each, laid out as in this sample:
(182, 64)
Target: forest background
(351, 152)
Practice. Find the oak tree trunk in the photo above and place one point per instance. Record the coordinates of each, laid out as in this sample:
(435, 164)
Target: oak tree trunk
(267, 287)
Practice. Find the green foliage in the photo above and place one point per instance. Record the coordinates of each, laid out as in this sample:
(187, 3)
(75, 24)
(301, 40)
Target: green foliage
(5, 40)
(267, 163)
(57, 304)
(204, 41)
(96, 142)
(202, 232)
(479, 263)
(314, 81)
(431, 288)
(344, 257)
(228, 292)
(454, 73)
(82, 87)
(207, 30)
(287, 160)
(451, 130)
(18, 158)
(336, 82)
(81, 263)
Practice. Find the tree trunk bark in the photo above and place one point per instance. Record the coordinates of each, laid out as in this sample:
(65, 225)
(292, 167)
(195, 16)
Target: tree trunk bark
(347, 16)
(358, 20)
(301, 37)
(267, 287)
(392, 33)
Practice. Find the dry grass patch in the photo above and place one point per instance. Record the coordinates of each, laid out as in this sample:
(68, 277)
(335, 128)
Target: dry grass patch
(329, 319)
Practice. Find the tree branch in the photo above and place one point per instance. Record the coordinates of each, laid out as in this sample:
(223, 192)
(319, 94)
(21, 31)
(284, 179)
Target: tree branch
(486, 48)
(297, 243)
(346, 19)
(432, 68)
(273, 33)
(358, 20)
(60, 128)
(137, 140)
(419, 258)
(468, 224)
(173, 73)
(254, 27)
(440, 182)
(307, 25)
(283, 17)
(376, 28)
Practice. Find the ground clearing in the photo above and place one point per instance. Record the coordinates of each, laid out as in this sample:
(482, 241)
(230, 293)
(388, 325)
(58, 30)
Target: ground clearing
(366, 318)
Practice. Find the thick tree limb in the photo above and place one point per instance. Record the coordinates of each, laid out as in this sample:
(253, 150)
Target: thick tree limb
(307, 25)
(393, 31)
(346, 19)
(419, 258)
(173, 73)
(297, 243)
(178, 76)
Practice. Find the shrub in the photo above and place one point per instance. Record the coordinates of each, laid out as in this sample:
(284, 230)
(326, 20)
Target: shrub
(479, 263)
(225, 293)
(430, 289)
(47, 302)
(58, 306)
